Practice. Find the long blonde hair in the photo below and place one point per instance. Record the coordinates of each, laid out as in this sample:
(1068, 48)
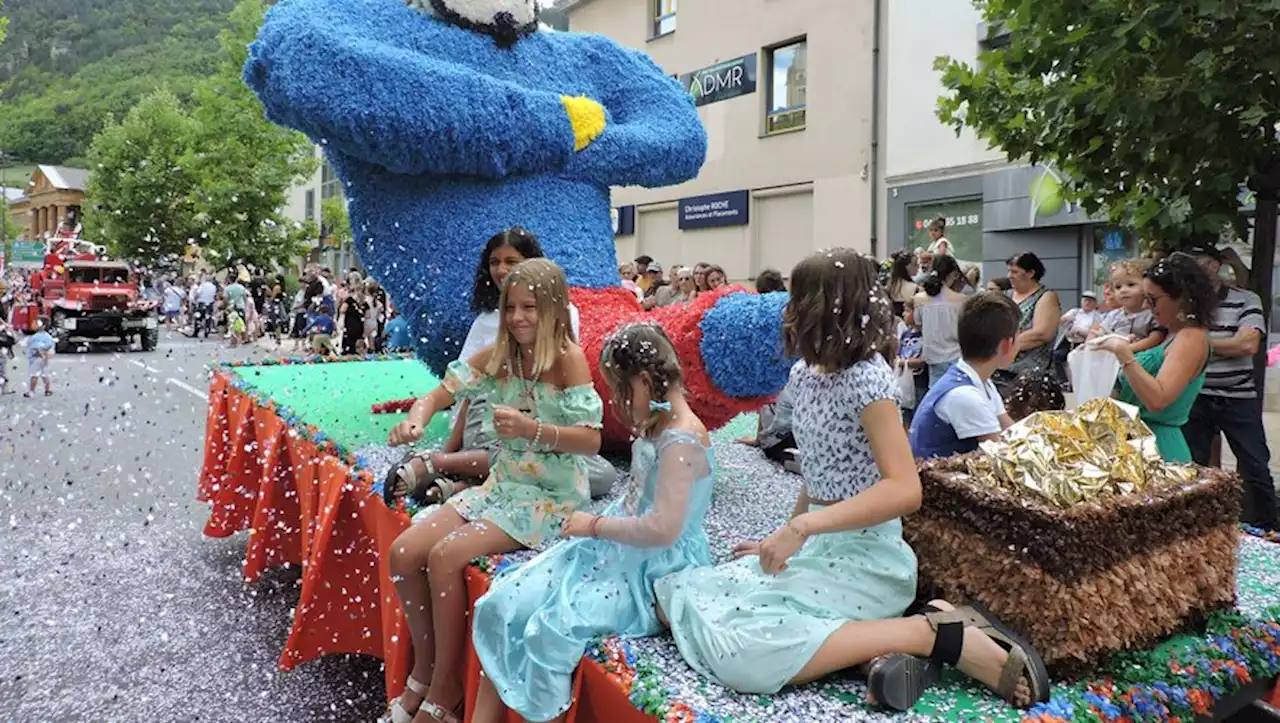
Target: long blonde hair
(546, 282)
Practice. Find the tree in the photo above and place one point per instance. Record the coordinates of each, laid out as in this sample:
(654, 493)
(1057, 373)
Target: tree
(245, 164)
(4, 24)
(140, 194)
(1154, 112)
(334, 221)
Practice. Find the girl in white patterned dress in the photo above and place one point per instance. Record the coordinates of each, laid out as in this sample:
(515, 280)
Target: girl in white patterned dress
(826, 590)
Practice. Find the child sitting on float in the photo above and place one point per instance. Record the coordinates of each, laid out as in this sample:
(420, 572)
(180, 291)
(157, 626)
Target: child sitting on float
(547, 416)
(964, 408)
(601, 581)
(827, 590)
(434, 476)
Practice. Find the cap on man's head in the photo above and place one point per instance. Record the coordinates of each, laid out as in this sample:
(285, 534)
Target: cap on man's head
(1089, 295)
(655, 267)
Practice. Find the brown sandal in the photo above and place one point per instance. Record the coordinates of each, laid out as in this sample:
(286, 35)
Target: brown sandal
(1023, 661)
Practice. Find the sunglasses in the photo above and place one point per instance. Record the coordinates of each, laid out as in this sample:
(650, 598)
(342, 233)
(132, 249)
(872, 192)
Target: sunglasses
(1152, 298)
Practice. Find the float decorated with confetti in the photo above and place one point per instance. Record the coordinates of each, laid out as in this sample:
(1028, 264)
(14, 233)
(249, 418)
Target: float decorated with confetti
(295, 456)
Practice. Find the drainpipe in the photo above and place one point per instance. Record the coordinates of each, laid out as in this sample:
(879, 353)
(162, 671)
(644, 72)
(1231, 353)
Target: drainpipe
(875, 129)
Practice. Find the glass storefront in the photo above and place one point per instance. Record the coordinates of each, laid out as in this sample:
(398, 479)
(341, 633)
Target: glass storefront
(1110, 244)
(964, 227)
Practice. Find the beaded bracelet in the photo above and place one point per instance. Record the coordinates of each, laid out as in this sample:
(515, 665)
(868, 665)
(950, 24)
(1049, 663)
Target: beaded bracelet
(594, 527)
(537, 434)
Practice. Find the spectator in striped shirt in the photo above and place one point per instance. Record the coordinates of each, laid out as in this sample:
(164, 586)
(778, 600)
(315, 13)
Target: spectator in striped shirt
(1229, 402)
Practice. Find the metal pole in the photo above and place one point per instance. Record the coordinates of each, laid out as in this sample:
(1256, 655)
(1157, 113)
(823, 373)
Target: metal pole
(1264, 252)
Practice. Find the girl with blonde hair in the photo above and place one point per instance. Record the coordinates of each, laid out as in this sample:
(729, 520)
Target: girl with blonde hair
(547, 416)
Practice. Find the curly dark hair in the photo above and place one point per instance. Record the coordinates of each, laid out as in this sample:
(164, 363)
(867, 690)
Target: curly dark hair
(769, 281)
(1035, 390)
(943, 267)
(634, 349)
(484, 295)
(1179, 276)
(838, 314)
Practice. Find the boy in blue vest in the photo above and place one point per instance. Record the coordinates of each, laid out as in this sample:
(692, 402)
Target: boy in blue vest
(964, 408)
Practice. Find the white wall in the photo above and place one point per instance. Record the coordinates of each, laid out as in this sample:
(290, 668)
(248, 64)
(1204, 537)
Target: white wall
(918, 144)
(295, 203)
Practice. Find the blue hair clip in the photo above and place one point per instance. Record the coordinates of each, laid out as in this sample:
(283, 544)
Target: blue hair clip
(659, 406)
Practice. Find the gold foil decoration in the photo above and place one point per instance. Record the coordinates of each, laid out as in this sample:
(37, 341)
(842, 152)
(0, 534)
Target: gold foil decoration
(1102, 448)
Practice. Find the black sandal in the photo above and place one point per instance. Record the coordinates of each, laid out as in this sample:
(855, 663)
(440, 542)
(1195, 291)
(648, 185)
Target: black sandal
(1023, 663)
(896, 681)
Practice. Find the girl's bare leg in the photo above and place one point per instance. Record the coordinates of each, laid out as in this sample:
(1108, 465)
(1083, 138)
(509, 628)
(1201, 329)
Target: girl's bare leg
(446, 569)
(855, 643)
(408, 561)
(489, 707)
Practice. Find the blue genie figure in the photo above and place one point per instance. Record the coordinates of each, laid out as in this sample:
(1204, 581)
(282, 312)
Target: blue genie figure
(451, 120)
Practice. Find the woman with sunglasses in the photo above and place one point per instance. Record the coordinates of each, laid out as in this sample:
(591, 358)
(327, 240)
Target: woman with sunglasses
(1164, 381)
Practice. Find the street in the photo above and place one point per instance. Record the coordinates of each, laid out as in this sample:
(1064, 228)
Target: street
(115, 605)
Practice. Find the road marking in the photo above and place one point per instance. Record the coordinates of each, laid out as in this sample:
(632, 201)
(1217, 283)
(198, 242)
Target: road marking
(140, 365)
(187, 387)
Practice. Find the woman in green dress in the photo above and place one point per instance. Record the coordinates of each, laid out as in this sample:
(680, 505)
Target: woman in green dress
(1164, 381)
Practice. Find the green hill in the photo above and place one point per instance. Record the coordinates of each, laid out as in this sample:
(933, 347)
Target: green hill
(68, 65)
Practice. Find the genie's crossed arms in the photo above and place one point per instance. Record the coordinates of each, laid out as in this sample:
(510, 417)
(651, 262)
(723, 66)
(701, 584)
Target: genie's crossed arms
(388, 85)
(442, 139)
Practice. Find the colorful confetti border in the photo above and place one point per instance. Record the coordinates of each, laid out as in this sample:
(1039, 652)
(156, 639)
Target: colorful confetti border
(1143, 685)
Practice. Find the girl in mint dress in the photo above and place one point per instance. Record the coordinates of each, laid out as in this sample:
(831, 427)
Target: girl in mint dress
(546, 416)
(1164, 381)
(533, 627)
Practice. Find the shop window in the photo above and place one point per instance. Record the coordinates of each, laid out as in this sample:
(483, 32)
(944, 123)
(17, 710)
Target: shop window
(1109, 245)
(330, 185)
(664, 17)
(787, 65)
(964, 227)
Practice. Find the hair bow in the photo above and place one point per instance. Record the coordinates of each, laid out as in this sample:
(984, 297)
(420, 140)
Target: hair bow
(659, 406)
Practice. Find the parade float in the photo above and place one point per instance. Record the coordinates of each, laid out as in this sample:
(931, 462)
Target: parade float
(450, 120)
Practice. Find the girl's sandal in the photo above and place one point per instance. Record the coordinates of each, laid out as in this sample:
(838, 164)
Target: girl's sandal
(397, 713)
(439, 713)
(897, 680)
(1023, 663)
(402, 480)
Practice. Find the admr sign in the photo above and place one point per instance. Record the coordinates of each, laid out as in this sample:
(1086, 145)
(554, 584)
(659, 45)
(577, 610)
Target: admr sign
(721, 81)
(714, 210)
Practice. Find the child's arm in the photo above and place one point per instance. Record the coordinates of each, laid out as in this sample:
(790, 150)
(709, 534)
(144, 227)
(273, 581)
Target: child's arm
(680, 466)
(1152, 340)
(897, 493)
(454, 443)
(442, 397)
(567, 439)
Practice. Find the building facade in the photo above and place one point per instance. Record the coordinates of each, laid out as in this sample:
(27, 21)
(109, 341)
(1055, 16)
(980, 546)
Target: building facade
(51, 202)
(786, 91)
(305, 203)
(993, 209)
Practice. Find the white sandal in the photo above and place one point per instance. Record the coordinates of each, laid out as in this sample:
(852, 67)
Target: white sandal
(397, 712)
(439, 713)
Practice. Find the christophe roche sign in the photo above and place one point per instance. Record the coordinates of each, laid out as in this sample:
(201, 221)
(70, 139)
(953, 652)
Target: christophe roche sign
(721, 81)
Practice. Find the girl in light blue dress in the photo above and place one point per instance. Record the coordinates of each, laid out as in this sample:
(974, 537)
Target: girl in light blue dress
(532, 628)
(827, 590)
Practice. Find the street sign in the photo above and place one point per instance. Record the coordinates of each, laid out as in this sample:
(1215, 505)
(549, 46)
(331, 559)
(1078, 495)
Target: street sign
(27, 254)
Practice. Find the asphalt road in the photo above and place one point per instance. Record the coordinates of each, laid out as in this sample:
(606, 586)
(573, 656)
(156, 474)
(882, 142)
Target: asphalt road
(113, 605)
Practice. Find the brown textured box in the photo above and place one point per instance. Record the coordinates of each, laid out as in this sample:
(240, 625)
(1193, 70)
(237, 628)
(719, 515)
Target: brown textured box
(1084, 582)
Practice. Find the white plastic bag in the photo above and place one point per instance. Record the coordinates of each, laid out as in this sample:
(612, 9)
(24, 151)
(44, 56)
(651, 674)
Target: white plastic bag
(1093, 372)
(906, 386)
